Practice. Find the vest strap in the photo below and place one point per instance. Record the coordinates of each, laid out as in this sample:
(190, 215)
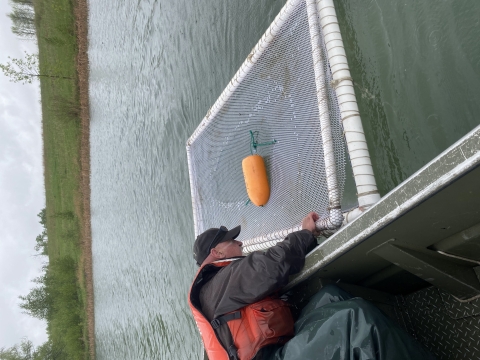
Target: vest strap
(232, 352)
(217, 322)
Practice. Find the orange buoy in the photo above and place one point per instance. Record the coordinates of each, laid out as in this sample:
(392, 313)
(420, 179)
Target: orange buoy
(256, 179)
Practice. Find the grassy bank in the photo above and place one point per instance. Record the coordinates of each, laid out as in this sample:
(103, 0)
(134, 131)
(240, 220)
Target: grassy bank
(62, 40)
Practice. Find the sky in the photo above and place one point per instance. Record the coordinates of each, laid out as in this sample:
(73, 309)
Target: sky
(22, 192)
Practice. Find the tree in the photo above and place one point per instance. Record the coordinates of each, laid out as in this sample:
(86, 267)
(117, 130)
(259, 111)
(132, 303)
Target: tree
(49, 351)
(22, 351)
(23, 2)
(42, 239)
(27, 351)
(23, 31)
(55, 286)
(37, 303)
(43, 217)
(26, 70)
(42, 243)
(23, 18)
(22, 15)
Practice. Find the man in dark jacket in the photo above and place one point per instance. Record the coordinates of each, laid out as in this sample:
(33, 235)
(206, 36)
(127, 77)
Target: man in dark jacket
(249, 279)
(252, 278)
(232, 287)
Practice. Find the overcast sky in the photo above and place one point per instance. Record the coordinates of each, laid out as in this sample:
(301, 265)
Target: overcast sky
(22, 193)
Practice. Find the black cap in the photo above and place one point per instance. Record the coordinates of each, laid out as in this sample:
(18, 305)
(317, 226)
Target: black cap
(211, 238)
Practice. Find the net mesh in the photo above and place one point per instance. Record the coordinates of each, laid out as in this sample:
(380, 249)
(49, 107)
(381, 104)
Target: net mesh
(277, 98)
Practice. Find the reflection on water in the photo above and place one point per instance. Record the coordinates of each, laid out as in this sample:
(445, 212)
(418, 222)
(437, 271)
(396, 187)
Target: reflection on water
(157, 67)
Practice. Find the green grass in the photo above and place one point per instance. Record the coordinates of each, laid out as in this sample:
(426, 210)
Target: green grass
(61, 138)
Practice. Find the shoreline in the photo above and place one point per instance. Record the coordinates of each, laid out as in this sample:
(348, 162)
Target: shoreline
(82, 67)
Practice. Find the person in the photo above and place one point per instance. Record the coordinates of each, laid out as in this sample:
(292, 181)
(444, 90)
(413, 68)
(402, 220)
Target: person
(235, 304)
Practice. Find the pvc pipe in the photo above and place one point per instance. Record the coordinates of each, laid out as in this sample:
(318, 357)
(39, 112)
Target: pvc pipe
(193, 188)
(266, 241)
(342, 83)
(351, 215)
(334, 219)
(329, 227)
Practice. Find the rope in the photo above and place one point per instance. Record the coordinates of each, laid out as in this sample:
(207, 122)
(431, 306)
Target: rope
(254, 144)
(335, 83)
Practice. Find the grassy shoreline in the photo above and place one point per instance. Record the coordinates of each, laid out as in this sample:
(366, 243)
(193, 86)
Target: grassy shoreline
(62, 33)
(81, 22)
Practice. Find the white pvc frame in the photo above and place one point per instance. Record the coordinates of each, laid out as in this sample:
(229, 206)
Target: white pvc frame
(367, 191)
(321, 13)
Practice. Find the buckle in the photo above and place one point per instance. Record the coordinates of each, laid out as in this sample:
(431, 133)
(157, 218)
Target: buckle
(215, 324)
(232, 352)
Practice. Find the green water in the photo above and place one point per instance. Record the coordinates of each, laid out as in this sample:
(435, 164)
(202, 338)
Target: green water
(416, 67)
(158, 66)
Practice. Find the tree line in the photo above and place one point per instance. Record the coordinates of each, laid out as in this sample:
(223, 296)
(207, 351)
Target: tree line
(54, 298)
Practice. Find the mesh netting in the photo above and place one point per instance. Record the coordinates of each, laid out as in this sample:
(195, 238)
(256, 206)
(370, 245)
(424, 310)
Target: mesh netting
(276, 98)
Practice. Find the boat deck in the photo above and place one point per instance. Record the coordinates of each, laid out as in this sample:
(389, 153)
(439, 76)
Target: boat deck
(448, 328)
(415, 254)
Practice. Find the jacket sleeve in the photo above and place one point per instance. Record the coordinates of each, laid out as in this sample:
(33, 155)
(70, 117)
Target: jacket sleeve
(261, 274)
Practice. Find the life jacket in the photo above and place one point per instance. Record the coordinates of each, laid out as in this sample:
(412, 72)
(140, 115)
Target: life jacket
(254, 326)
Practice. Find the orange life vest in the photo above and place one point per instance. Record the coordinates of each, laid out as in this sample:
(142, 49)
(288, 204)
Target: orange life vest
(254, 326)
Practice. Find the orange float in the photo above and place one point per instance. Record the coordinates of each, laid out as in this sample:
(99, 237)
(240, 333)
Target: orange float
(256, 181)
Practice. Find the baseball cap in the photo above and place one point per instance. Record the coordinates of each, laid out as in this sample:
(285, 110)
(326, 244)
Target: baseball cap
(211, 238)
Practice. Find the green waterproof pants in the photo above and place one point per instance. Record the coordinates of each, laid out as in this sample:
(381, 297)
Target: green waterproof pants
(333, 325)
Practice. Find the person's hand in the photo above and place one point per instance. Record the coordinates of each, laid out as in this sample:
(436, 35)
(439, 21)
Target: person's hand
(309, 223)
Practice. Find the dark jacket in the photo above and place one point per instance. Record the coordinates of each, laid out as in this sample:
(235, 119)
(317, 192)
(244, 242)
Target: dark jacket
(252, 278)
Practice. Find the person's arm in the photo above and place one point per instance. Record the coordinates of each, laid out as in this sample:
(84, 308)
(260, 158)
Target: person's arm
(261, 274)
